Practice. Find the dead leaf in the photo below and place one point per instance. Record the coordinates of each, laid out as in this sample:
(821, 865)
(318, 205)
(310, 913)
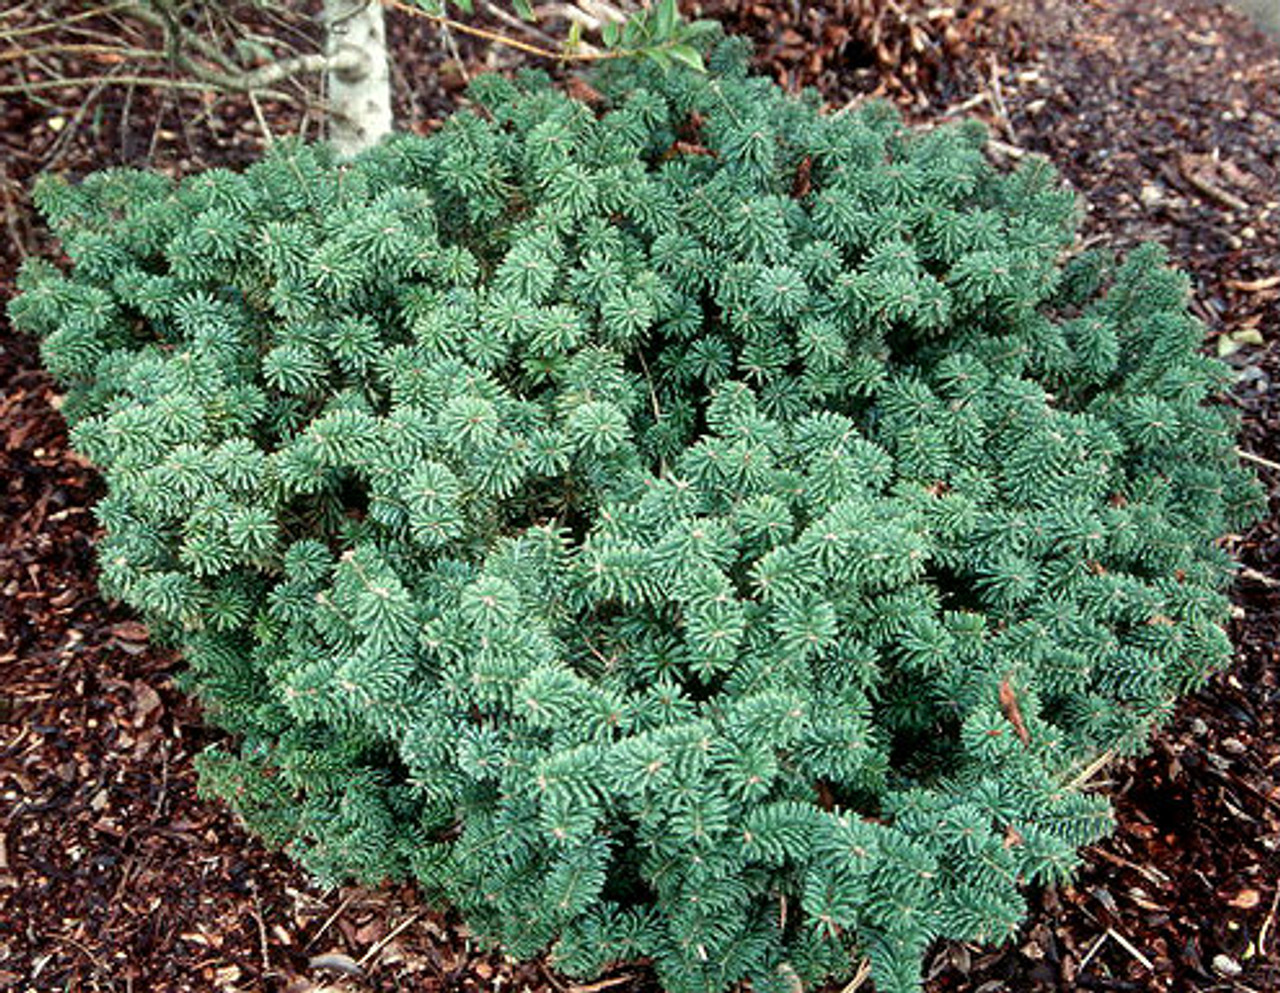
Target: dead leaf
(130, 631)
(1012, 712)
(146, 701)
(579, 89)
(803, 183)
(370, 933)
(1245, 899)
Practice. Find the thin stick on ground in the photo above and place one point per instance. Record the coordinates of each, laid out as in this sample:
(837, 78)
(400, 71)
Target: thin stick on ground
(329, 922)
(1258, 460)
(1129, 947)
(367, 958)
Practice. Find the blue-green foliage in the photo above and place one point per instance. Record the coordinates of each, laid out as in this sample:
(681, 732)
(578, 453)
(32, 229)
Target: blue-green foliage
(640, 523)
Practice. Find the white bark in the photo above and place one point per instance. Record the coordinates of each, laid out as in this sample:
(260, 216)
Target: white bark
(359, 77)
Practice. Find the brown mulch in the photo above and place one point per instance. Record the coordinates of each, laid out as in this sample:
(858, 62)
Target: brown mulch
(922, 55)
(115, 876)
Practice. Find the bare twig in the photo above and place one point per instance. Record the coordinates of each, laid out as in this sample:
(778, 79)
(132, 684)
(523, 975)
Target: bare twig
(1093, 950)
(1250, 573)
(257, 80)
(1004, 148)
(1264, 932)
(126, 119)
(81, 49)
(10, 191)
(966, 105)
(490, 36)
(329, 921)
(602, 11)
(520, 46)
(451, 43)
(574, 14)
(1128, 946)
(368, 956)
(159, 82)
(268, 136)
(1258, 460)
(603, 984)
(62, 22)
(164, 781)
(262, 932)
(1081, 780)
(188, 38)
(997, 99)
(63, 143)
(859, 977)
(506, 17)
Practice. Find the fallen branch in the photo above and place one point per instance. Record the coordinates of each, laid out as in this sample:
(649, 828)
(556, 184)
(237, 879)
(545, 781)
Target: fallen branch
(859, 977)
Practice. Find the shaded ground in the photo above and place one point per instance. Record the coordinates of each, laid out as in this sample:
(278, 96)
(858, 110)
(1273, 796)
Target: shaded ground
(114, 876)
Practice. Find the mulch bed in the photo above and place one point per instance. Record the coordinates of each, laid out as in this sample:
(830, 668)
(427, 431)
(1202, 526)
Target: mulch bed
(115, 876)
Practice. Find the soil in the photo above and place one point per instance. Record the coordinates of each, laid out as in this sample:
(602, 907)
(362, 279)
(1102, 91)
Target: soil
(114, 875)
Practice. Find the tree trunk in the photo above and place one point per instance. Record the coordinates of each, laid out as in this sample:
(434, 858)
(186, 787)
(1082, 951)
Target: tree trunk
(359, 90)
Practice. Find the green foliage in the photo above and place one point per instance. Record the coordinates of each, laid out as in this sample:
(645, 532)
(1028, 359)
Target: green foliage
(698, 528)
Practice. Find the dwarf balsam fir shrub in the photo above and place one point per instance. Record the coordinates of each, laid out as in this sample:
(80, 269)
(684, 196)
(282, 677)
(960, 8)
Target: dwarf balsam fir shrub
(690, 526)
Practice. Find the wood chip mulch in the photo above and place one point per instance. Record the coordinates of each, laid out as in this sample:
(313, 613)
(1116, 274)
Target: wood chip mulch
(115, 876)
